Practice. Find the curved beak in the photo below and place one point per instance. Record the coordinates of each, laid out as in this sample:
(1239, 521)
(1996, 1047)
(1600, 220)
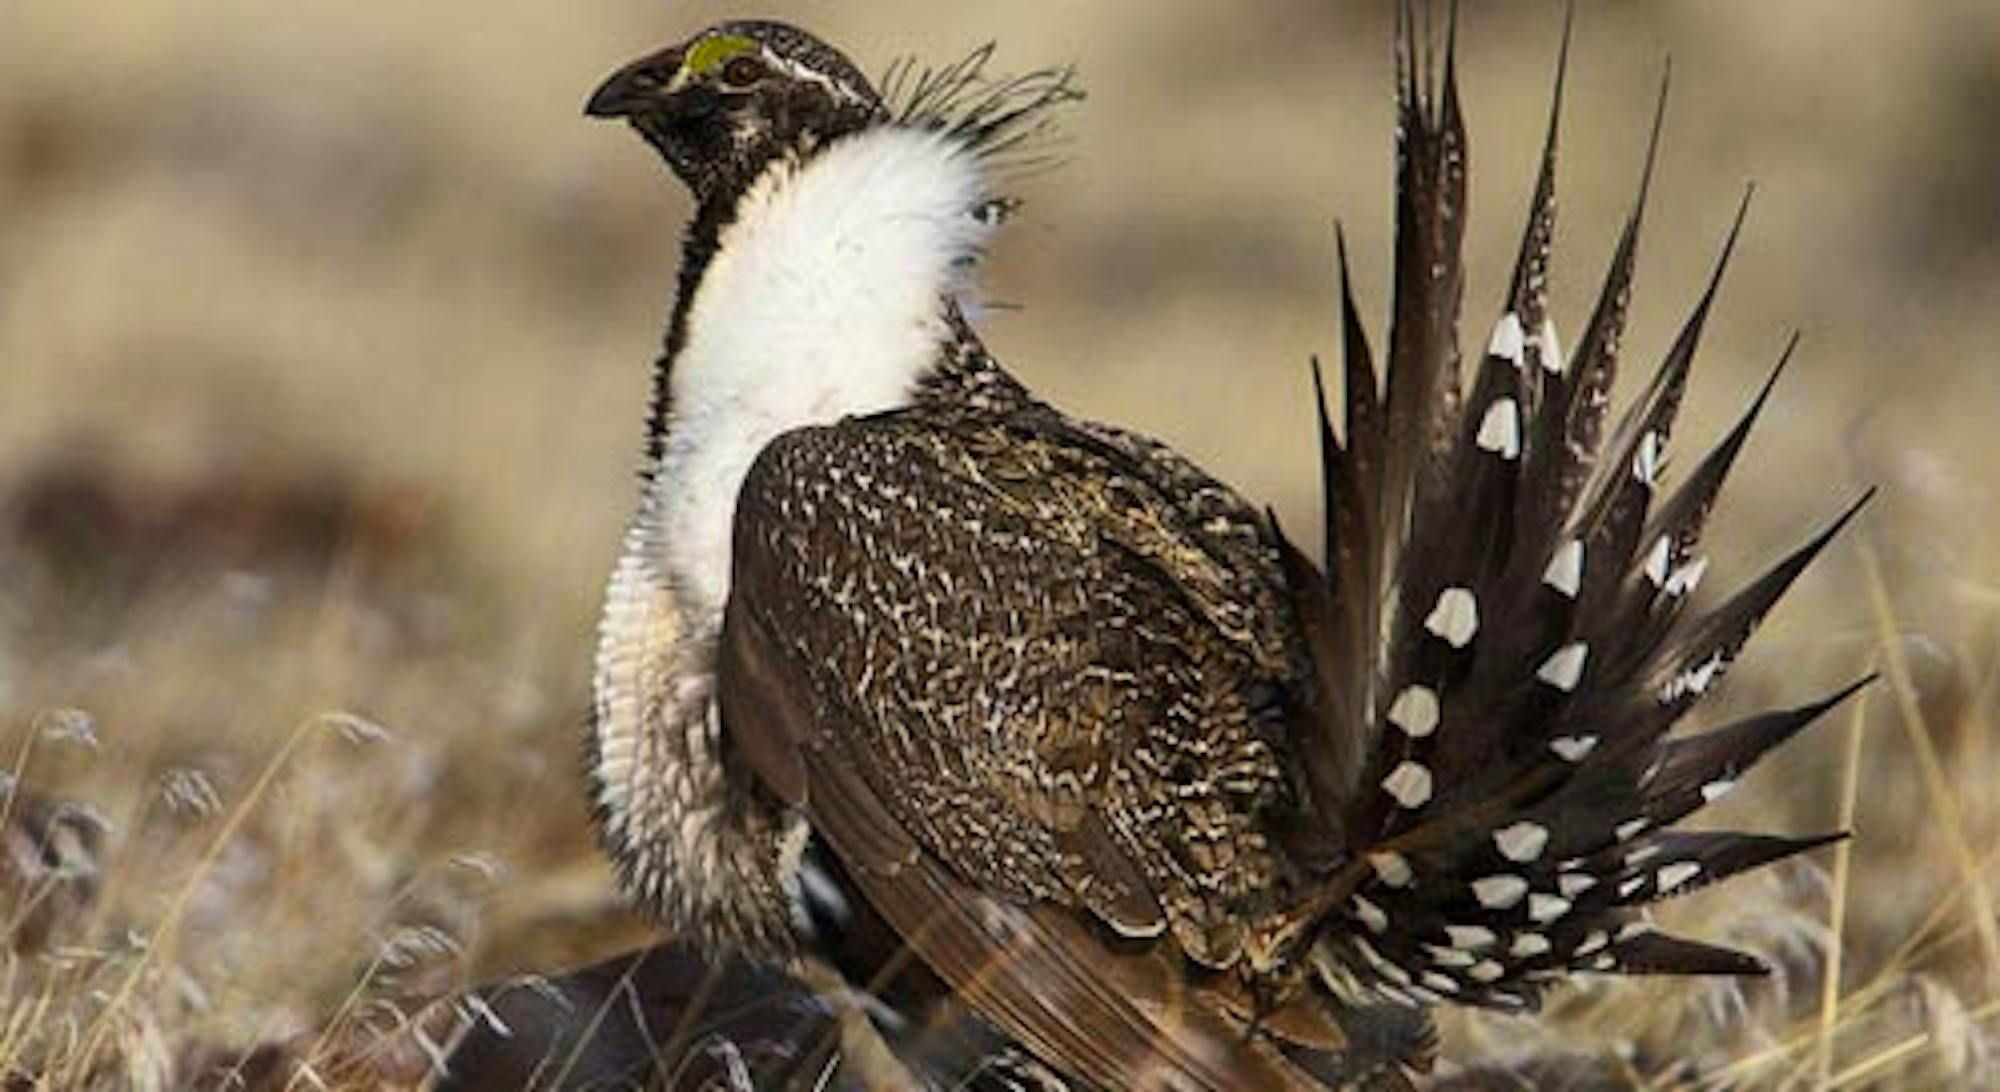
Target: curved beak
(636, 86)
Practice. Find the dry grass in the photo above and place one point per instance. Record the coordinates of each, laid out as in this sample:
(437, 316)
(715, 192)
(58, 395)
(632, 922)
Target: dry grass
(323, 337)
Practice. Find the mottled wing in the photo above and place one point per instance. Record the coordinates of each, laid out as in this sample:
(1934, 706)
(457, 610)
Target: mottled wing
(1024, 707)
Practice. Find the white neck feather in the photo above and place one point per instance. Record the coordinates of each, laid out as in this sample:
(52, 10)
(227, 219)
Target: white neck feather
(825, 299)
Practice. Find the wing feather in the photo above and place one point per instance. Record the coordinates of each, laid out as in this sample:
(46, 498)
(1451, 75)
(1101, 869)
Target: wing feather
(993, 814)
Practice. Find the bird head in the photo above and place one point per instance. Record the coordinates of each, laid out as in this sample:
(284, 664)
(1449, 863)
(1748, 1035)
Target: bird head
(724, 104)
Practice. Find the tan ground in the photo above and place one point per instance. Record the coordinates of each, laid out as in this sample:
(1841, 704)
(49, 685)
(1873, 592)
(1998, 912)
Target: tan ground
(324, 330)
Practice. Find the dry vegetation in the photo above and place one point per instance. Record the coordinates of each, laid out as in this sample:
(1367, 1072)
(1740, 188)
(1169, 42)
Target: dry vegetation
(323, 337)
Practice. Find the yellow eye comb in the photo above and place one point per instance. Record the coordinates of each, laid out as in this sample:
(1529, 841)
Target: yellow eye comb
(709, 53)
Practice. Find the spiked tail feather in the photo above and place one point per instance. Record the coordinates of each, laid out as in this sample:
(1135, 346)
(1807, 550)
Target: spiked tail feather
(1501, 639)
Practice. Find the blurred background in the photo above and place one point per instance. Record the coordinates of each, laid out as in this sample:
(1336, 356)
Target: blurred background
(325, 331)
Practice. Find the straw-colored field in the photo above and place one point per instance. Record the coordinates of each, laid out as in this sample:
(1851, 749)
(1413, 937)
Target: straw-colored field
(324, 335)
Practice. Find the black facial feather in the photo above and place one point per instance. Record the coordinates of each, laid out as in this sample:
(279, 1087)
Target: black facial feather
(720, 124)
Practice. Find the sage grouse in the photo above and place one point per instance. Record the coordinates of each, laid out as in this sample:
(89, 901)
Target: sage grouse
(1131, 777)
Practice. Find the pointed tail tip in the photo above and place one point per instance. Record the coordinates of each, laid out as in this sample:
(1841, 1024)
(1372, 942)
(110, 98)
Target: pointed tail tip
(1832, 530)
(1728, 249)
(1848, 691)
(1866, 498)
(1777, 371)
(1654, 137)
(1811, 842)
(1319, 389)
(1451, 42)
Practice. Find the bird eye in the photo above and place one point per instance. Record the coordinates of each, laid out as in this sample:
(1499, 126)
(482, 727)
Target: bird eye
(743, 71)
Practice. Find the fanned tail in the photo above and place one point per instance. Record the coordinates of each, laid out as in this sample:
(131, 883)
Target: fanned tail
(1502, 637)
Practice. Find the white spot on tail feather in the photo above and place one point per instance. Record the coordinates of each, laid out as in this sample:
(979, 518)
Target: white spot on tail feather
(1686, 578)
(1528, 945)
(1572, 884)
(1695, 680)
(1508, 341)
(1415, 711)
(1391, 993)
(1676, 874)
(1448, 957)
(1470, 937)
(1565, 571)
(1641, 855)
(1455, 618)
(1573, 748)
(1409, 783)
(1551, 347)
(1546, 908)
(1564, 667)
(1391, 867)
(1521, 842)
(1657, 560)
(1375, 959)
(1381, 963)
(1438, 982)
(1646, 460)
(1371, 915)
(1339, 978)
(1499, 892)
(1500, 429)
